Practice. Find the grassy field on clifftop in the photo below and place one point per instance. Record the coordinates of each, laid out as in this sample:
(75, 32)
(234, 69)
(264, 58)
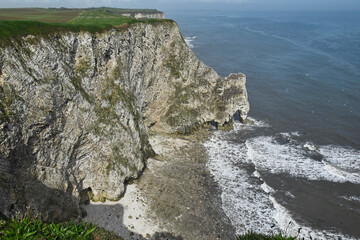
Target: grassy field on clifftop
(39, 14)
(15, 22)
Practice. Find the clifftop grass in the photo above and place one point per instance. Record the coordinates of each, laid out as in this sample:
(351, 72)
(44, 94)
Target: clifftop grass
(37, 21)
(39, 14)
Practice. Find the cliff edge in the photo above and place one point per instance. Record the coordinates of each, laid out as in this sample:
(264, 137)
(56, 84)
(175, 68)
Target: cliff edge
(76, 110)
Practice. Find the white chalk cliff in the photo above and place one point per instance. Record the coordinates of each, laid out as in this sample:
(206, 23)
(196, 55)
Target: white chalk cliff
(76, 110)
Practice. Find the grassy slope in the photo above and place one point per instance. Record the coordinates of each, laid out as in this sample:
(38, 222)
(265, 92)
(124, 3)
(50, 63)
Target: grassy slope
(28, 228)
(36, 21)
(101, 18)
(38, 14)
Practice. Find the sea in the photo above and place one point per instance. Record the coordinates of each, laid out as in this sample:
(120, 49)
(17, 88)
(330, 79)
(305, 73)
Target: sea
(295, 168)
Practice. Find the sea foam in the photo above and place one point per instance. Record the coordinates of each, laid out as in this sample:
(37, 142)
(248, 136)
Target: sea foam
(267, 154)
(244, 202)
(248, 201)
(189, 41)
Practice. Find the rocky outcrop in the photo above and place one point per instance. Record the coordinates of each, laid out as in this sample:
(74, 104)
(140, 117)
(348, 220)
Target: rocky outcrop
(76, 108)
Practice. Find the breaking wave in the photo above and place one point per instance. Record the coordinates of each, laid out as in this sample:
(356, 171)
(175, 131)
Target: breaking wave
(248, 200)
(189, 41)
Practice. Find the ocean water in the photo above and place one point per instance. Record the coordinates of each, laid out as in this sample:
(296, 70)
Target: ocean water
(296, 167)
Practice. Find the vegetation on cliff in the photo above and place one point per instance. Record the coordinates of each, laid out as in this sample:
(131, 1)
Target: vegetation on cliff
(29, 228)
(257, 236)
(38, 21)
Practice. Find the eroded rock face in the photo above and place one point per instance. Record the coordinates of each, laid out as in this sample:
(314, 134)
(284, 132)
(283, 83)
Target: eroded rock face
(75, 109)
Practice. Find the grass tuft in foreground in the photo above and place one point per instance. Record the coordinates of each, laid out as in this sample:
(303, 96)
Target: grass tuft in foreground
(29, 228)
(255, 236)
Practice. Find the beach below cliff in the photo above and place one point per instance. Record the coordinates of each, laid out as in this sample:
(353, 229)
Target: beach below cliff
(175, 198)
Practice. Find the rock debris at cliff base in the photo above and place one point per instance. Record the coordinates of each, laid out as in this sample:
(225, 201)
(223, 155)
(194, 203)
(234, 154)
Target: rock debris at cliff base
(176, 196)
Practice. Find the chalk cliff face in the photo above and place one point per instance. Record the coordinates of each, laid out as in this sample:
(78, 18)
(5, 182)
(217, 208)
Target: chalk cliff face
(76, 109)
(158, 15)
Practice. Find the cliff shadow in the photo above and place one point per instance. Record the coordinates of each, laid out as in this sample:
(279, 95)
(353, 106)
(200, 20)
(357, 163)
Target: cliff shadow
(59, 206)
(23, 191)
(111, 217)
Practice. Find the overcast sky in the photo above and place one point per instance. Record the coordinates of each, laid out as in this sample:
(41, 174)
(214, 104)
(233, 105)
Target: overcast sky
(277, 5)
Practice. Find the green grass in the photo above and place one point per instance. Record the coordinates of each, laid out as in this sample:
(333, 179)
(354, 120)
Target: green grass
(29, 228)
(105, 17)
(102, 18)
(14, 29)
(21, 22)
(39, 14)
(255, 236)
